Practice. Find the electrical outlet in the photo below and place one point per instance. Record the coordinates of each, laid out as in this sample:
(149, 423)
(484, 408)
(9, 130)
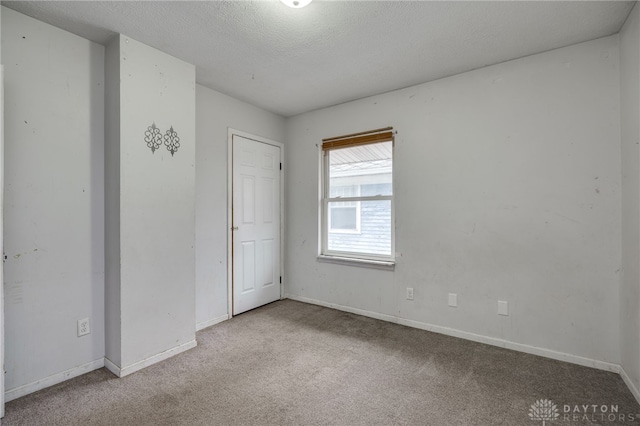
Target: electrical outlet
(409, 293)
(84, 327)
(503, 308)
(453, 300)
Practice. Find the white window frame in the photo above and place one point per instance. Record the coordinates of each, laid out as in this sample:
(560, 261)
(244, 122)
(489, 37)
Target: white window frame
(345, 257)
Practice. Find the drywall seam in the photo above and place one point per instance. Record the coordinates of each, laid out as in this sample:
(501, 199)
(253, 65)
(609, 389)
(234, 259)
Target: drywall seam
(54, 379)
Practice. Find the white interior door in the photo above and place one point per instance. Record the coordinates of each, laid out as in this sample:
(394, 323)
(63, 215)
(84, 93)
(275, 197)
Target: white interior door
(256, 224)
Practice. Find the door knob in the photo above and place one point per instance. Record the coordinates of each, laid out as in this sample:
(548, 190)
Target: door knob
(234, 228)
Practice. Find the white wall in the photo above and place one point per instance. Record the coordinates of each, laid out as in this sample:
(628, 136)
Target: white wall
(47, 291)
(157, 205)
(507, 188)
(112, 295)
(630, 136)
(54, 199)
(215, 113)
(2, 387)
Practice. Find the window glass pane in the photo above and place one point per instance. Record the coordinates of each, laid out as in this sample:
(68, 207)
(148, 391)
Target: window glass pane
(367, 167)
(343, 218)
(374, 236)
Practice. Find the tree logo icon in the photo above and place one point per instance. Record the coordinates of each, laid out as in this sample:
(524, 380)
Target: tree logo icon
(543, 410)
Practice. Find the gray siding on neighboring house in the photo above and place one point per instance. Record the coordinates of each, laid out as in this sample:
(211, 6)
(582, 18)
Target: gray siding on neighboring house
(375, 225)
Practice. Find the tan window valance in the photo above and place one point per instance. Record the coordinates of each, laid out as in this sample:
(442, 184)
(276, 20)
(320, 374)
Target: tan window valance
(356, 139)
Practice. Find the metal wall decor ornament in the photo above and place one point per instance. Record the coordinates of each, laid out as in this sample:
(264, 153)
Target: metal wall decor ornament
(153, 137)
(172, 141)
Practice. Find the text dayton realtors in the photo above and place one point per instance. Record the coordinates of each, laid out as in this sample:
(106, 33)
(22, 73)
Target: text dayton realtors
(595, 413)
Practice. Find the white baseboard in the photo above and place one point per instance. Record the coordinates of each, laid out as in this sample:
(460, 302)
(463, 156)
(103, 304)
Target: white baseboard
(205, 324)
(520, 347)
(630, 384)
(111, 366)
(547, 353)
(370, 314)
(54, 379)
(125, 371)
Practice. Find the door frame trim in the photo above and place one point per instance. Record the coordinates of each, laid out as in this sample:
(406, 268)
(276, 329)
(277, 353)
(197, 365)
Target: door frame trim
(230, 133)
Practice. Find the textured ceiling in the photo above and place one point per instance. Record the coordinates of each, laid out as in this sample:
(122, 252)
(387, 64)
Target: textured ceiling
(291, 61)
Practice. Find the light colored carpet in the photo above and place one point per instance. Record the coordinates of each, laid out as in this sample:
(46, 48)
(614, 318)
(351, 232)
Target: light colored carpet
(290, 363)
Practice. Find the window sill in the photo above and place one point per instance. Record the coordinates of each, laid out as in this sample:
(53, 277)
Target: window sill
(387, 265)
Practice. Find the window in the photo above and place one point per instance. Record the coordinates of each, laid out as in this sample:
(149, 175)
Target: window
(357, 197)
